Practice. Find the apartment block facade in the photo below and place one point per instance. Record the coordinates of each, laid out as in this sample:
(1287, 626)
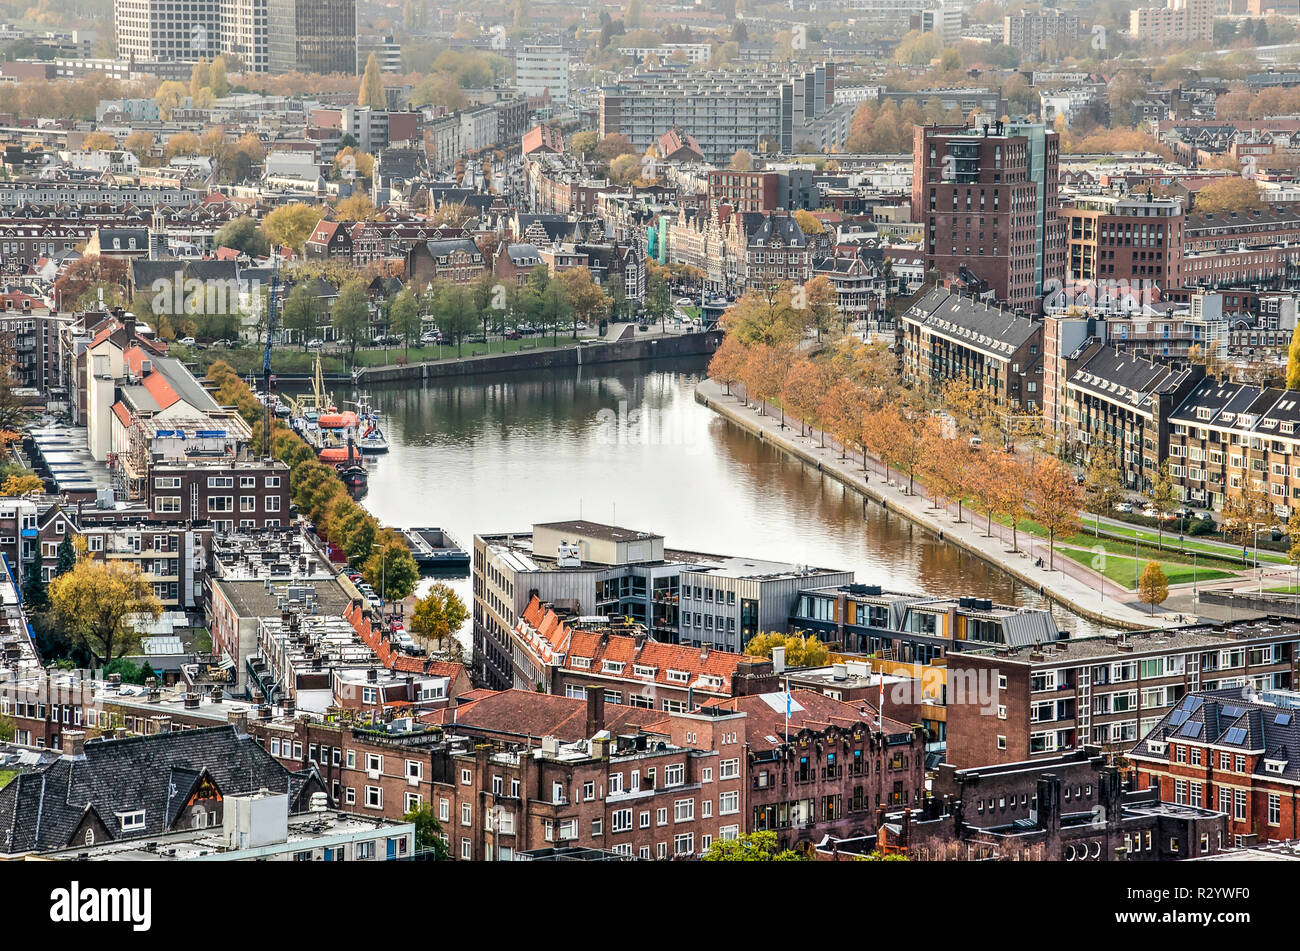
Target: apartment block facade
(1110, 691)
(1222, 750)
(986, 199)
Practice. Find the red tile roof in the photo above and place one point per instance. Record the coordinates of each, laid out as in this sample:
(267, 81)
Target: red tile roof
(765, 723)
(549, 636)
(121, 413)
(526, 713)
(160, 390)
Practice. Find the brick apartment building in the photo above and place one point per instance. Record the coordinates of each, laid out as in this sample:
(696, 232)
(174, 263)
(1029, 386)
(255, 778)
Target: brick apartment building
(248, 494)
(1221, 751)
(1030, 703)
(947, 337)
(1225, 436)
(1133, 241)
(1116, 400)
(828, 770)
(986, 199)
(1069, 808)
(512, 771)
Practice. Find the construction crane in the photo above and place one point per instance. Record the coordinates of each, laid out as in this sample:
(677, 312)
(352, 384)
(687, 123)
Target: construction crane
(267, 378)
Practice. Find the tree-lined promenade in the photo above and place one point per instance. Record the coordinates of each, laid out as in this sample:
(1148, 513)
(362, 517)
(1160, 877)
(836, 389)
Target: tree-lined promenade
(952, 445)
(377, 551)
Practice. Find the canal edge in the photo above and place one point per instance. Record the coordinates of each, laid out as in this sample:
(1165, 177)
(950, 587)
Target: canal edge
(864, 489)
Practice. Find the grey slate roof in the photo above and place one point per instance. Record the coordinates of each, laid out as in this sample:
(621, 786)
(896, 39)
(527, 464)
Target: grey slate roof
(41, 810)
(1223, 719)
(972, 323)
(1123, 378)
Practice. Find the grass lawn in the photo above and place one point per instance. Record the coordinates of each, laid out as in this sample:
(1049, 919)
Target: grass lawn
(5, 776)
(1114, 546)
(1125, 571)
(1197, 543)
(1227, 552)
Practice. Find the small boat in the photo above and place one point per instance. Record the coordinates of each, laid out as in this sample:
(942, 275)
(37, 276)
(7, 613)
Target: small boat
(436, 549)
(370, 434)
(347, 462)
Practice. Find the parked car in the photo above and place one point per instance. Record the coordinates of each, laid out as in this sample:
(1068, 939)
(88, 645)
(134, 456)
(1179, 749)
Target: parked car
(1183, 512)
(186, 341)
(514, 335)
(315, 343)
(1125, 507)
(388, 340)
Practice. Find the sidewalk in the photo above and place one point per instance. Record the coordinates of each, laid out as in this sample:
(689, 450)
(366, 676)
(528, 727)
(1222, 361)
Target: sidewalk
(1070, 584)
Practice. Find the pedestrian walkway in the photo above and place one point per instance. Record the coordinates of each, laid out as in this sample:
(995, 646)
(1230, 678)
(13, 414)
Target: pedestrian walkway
(1069, 583)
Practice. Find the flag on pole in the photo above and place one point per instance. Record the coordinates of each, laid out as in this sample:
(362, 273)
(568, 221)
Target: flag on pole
(789, 701)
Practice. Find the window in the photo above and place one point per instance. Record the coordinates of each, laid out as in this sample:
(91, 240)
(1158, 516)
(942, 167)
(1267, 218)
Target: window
(374, 797)
(683, 810)
(661, 816)
(466, 814)
(729, 769)
(621, 820)
(466, 777)
(674, 775)
(729, 803)
(444, 810)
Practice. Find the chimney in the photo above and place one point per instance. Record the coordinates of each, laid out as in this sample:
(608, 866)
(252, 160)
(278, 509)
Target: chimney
(162, 724)
(778, 660)
(239, 718)
(74, 744)
(595, 710)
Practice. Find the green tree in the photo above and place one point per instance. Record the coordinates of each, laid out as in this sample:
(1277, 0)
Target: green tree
(1153, 586)
(391, 569)
(658, 298)
(372, 85)
(454, 312)
(404, 317)
(244, 235)
(66, 557)
(428, 830)
(439, 614)
(351, 316)
(751, 847)
(300, 313)
(36, 594)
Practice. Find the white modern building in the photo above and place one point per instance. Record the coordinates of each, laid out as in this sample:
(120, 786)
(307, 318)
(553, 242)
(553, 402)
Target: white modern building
(542, 68)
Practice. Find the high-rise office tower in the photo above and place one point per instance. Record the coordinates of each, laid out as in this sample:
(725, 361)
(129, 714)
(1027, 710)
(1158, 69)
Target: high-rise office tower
(986, 199)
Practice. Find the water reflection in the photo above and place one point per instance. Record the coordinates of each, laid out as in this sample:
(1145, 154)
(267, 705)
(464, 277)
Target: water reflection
(628, 443)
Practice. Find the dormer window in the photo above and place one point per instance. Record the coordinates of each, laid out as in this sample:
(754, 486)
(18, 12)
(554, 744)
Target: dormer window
(131, 821)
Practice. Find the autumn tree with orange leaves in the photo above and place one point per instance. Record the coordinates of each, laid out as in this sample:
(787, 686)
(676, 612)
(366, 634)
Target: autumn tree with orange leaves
(764, 372)
(727, 362)
(805, 388)
(1057, 499)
